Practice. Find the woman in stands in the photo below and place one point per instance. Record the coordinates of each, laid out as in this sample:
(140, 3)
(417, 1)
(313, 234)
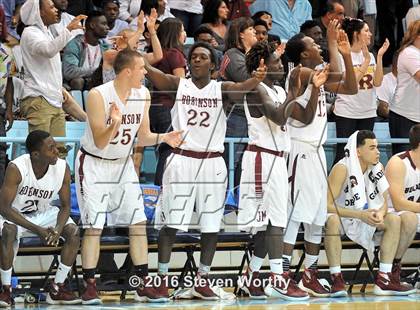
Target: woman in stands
(357, 112)
(239, 40)
(405, 110)
(215, 17)
(172, 37)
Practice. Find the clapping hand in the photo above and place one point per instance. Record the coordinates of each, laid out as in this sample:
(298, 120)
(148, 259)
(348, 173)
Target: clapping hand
(261, 71)
(115, 113)
(383, 48)
(321, 76)
(76, 23)
(173, 138)
(343, 43)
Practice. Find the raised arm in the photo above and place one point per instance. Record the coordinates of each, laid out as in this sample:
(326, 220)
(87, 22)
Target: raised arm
(160, 80)
(379, 70)
(8, 194)
(305, 111)
(157, 54)
(395, 172)
(102, 134)
(263, 102)
(349, 85)
(336, 72)
(236, 91)
(36, 45)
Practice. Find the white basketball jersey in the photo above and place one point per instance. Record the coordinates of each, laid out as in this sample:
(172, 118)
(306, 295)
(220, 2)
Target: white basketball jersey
(132, 115)
(314, 133)
(265, 133)
(412, 178)
(36, 194)
(199, 113)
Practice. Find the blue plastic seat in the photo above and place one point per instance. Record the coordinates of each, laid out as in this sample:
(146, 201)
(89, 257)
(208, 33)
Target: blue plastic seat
(78, 96)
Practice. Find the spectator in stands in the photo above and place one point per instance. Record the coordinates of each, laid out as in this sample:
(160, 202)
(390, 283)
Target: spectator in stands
(261, 30)
(386, 91)
(12, 12)
(267, 17)
(129, 38)
(288, 16)
(6, 91)
(239, 40)
(333, 9)
(237, 8)
(390, 15)
(42, 95)
(110, 9)
(312, 29)
(413, 14)
(129, 9)
(215, 17)
(83, 54)
(64, 19)
(189, 12)
(353, 8)
(204, 34)
(357, 112)
(405, 110)
(172, 37)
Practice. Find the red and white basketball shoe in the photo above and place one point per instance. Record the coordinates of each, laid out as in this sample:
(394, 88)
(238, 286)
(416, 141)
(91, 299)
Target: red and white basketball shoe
(338, 287)
(386, 285)
(252, 285)
(310, 284)
(284, 287)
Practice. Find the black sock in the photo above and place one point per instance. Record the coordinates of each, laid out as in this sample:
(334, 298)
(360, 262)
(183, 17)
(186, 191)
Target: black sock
(141, 270)
(396, 261)
(88, 273)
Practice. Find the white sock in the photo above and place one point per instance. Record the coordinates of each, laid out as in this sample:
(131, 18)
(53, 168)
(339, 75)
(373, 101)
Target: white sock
(163, 268)
(62, 272)
(255, 263)
(310, 260)
(6, 276)
(203, 269)
(335, 269)
(276, 265)
(385, 268)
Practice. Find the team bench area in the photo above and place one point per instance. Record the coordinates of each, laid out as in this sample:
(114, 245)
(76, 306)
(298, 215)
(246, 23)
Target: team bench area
(116, 240)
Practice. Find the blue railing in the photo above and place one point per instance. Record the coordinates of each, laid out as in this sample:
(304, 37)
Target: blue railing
(229, 141)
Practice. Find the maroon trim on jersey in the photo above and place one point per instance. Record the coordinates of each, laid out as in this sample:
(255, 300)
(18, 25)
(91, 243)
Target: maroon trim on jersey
(255, 148)
(81, 172)
(292, 179)
(198, 155)
(405, 155)
(258, 175)
(98, 157)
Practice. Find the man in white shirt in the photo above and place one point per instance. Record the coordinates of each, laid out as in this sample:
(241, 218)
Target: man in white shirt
(111, 8)
(42, 94)
(386, 92)
(64, 19)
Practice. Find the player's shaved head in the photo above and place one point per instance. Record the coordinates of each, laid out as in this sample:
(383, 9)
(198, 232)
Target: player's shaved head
(414, 137)
(35, 140)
